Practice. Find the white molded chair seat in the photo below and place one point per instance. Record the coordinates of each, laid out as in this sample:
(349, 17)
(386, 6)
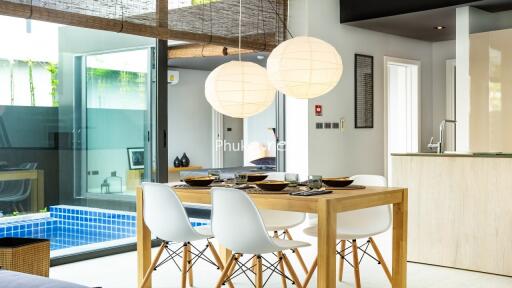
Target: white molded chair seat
(205, 230)
(351, 230)
(166, 217)
(238, 226)
(357, 224)
(280, 220)
(275, 220)
(361, 223)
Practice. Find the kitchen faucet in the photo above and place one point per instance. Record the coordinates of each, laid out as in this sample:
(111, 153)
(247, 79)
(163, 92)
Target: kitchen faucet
(439, 146)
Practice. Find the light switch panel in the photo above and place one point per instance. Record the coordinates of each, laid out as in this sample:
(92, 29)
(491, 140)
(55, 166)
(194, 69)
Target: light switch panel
(319, 125)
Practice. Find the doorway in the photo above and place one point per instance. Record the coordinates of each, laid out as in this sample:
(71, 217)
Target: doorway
(402, 96)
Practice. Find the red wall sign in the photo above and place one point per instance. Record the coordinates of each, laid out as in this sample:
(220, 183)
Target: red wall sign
(318, 110)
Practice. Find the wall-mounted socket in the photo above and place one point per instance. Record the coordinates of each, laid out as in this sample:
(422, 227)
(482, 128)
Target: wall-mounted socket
(319, 125)
(327, 125)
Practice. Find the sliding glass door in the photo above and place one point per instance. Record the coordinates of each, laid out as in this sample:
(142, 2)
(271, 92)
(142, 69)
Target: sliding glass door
(117, 93)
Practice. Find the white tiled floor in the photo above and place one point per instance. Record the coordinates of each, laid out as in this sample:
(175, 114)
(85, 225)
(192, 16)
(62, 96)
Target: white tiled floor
(119, 271)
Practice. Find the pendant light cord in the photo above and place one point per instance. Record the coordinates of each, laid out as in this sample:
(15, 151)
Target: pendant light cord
(240, 33)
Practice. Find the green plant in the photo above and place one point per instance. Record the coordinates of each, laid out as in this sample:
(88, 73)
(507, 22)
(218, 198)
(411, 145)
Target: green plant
(44, 210)
(31, 83)
(54, 82)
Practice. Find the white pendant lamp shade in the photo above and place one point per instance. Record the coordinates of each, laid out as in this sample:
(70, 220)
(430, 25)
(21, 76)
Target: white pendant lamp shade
(304, 67)
(239, 89)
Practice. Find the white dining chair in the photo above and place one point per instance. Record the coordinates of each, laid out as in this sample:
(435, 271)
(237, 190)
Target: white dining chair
(167, 219)
(354, 225)
(238, 226)
(280, 222)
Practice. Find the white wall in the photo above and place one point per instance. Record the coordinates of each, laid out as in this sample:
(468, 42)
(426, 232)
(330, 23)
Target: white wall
(441, 51)
(190, 119)
(355, 151)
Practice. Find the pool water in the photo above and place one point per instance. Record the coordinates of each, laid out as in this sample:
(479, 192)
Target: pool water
(73, 226)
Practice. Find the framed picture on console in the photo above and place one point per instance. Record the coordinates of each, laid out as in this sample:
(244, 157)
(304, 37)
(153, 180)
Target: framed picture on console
(136, 158)
(363, 102)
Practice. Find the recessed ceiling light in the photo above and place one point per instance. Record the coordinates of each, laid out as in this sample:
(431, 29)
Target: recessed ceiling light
(439, 27)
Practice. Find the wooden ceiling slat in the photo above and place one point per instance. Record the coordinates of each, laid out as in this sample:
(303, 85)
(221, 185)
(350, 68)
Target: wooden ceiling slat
(176, 24)
(203, 50)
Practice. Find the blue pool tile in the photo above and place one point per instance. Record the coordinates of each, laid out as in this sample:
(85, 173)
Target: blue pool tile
(69, 227)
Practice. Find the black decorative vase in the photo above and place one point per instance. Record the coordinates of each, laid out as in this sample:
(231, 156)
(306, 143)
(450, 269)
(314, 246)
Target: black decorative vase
(177, 162)
(185, 162)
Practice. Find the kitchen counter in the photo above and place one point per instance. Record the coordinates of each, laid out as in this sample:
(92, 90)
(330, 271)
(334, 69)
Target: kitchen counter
(459, 209)
(459, 154)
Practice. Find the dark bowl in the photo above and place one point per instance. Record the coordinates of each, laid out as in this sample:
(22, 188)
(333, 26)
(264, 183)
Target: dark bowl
(272, 185)
(337, 182)
(200, 181)
(256, 177)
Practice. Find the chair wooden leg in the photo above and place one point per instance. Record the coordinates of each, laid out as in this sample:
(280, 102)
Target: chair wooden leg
(281, 263)
(190, 271)
(342, 260)
(281, 269)
(184, 266)
(216, 257)
(310, 273)
(226, 271)
(297, 252)
(254, 264)
(355, 258)
(153, 264)
(259, 272)
(381, 259)
(292, 271)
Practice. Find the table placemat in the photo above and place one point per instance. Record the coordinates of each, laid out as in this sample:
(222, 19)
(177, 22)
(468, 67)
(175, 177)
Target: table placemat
(350, 187)
(188, 187)
(287, 190)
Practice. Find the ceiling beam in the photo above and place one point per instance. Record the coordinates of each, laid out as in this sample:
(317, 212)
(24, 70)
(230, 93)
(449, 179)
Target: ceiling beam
(203, 50)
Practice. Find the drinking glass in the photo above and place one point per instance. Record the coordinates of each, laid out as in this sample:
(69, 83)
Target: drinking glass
(215, 174)
(292, 178)
(240, 178)
(314, 182)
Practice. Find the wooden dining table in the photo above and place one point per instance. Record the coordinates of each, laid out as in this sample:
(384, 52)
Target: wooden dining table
(325, 206)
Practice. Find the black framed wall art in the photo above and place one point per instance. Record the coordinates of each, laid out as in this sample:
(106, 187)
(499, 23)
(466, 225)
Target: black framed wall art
(363, 76)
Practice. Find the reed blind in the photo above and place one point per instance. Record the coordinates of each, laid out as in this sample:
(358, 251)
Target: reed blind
(199, 21)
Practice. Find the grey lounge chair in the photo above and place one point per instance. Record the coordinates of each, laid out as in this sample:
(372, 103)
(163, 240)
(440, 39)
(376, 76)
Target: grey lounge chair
(16, 191)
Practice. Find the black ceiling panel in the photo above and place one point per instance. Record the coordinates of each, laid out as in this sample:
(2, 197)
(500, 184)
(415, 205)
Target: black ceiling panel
(357, 10)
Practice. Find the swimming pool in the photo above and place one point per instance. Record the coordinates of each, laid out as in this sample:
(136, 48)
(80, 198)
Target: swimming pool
(68, 227)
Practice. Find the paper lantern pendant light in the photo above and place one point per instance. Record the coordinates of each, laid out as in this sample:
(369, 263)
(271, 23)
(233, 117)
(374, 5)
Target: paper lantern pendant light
(304, 67)
(239, 89)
